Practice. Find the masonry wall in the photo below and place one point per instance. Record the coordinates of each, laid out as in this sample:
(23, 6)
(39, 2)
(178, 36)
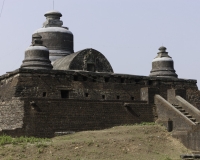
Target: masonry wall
(193, 96)
(11, 115)
(8, 86)
(55, 101)
(93, 86)
(49, 116)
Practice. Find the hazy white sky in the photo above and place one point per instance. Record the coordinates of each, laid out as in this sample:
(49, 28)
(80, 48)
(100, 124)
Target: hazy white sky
(127, 32)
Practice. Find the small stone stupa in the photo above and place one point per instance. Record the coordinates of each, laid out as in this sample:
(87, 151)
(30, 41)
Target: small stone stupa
(37, 55)
(163, 65)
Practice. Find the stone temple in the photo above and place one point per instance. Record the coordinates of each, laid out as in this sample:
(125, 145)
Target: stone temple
(57, 90)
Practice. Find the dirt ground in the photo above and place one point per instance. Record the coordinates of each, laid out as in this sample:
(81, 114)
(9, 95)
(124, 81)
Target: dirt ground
(136, 142)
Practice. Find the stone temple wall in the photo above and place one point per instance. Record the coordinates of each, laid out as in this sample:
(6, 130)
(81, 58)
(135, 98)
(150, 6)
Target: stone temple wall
(91, 85)
(50, 116)
(8, 85)
(11, 114)
(56, 101)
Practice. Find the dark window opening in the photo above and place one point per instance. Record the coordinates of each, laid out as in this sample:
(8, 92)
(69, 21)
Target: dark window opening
(91, 67)
(122, 80)
(85, 78)
(44, 94)
(86, 94)
(137, 81)
(75, 78)
(170, 125)
(118, 97)
(107, 79)
(94, 79)
(64, 94)
(150, 82)
(103, 96)
(132, 98)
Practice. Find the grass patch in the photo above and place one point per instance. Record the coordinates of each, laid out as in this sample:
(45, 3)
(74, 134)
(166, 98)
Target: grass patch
(146, 123)
(144, 141)
(167, 158)
(5, 139)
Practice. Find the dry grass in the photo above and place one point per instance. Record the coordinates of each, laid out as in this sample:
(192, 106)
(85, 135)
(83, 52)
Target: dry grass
(137, 142)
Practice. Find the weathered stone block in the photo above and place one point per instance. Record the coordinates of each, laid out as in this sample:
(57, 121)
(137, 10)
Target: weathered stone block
(148, 93)
(172, 93)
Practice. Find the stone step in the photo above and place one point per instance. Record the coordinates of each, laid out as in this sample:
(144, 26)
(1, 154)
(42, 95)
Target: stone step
(189, 116)
(185, 113)
(175, 104)
(182, 110)
(178, 107)
(193, 119)
(190, 156)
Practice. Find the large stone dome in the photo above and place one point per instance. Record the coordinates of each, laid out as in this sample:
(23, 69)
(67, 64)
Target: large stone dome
(58, 39)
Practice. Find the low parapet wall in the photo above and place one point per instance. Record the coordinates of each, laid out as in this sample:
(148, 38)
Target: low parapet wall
(52, 116)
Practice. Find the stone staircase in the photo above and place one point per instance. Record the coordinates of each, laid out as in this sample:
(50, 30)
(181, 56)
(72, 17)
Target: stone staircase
(181, 118)
(193, 156)
(183, 111)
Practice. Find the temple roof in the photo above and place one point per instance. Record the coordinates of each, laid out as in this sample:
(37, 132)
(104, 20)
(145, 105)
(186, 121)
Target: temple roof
(87, 60)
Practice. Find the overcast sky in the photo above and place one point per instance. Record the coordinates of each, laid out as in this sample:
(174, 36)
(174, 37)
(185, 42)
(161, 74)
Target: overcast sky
(127, 32)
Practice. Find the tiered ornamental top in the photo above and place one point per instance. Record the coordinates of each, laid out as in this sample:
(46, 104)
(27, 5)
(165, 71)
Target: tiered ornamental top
(163, 65)
(58, 39)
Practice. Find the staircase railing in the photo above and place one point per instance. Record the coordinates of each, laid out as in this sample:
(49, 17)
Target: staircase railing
(167, 111)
